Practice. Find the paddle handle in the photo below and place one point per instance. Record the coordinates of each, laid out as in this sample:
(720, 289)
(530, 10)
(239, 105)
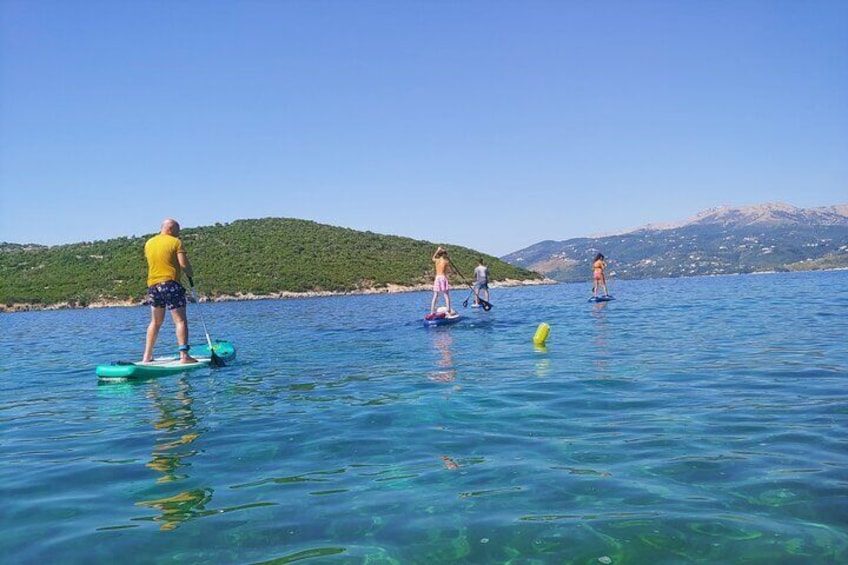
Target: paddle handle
(199, 313)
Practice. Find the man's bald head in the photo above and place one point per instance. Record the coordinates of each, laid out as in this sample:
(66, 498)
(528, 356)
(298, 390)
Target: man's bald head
(171, 227)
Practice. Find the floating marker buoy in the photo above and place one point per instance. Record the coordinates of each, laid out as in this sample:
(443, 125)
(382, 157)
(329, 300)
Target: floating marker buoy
(541, 334)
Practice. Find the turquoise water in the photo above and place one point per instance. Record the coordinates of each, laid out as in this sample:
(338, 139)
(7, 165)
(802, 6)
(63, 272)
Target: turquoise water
(691, 420)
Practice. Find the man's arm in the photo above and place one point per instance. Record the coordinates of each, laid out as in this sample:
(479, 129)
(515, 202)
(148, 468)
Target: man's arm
(185, 264)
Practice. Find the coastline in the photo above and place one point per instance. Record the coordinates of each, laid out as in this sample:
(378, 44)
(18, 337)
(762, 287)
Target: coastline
(388, 289)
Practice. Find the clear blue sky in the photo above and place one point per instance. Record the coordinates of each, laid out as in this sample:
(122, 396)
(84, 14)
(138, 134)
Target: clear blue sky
(488, 124)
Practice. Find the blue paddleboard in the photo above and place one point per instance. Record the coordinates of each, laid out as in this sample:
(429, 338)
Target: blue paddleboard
(441, 319)
(606, 298)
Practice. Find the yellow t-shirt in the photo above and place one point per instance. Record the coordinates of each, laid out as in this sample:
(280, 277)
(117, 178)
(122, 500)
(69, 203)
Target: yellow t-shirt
(162, 263)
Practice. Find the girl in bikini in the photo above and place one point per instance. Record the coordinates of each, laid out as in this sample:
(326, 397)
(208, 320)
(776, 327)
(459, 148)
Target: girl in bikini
(598, 266)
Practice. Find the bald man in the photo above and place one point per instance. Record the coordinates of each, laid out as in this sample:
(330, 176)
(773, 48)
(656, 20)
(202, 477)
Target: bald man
(166, 261)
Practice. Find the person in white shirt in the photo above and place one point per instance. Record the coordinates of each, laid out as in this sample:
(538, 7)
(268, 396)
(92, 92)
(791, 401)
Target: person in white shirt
(481, 282)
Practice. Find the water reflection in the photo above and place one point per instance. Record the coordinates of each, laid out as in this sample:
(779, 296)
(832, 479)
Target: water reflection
(543, 365)
(601, 357)
(177, 425)
(446, 372)
(180, 507)
(599, 307)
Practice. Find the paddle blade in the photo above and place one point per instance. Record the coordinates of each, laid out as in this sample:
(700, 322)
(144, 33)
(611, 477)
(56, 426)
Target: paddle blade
(216, 361)
(486, 305)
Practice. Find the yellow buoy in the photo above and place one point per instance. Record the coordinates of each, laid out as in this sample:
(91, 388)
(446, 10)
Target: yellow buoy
(541, 334)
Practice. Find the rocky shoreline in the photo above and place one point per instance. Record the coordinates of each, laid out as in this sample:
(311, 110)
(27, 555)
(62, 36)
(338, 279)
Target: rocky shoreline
(389, 289)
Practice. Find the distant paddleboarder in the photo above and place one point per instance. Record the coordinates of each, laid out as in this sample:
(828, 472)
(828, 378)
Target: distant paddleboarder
(599, 267)
(440, 283)
(481, 282)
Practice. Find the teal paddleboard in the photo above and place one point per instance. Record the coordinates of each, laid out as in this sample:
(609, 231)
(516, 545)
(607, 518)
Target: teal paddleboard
(167, 365)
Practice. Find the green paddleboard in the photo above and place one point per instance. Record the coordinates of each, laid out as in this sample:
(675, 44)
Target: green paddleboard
(167, 365)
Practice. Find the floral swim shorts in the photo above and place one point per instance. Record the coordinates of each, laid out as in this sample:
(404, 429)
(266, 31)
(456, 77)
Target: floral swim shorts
(170, 294)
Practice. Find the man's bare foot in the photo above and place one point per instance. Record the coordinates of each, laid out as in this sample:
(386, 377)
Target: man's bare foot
(188, 359)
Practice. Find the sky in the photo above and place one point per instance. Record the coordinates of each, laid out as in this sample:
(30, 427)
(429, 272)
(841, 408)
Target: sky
(489, 124)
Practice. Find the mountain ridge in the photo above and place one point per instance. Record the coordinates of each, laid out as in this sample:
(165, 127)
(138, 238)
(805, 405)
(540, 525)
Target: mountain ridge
(772, 213)
(722, 240)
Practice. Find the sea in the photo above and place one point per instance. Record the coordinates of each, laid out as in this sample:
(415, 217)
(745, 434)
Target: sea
(691, 420)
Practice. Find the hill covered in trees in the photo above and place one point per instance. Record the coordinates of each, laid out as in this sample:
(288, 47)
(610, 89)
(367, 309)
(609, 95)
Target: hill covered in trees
(246, 257)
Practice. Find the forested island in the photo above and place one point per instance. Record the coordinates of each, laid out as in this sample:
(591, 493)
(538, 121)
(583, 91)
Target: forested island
(269, 257)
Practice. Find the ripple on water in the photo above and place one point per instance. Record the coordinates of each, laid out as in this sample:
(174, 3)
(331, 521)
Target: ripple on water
(647, 431)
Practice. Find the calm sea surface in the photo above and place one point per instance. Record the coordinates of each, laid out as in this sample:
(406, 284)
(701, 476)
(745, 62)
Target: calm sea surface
(691, 420)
